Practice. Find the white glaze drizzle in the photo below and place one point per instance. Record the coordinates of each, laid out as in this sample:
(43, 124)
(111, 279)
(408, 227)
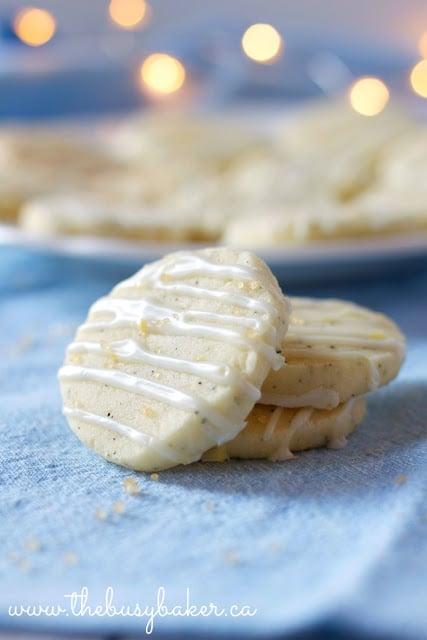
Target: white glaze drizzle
(183, 265)
(118, 312)
(337, 440)
(343, 324)
(131, 351)
(229, 297)
(154, 390)
(272, 423)
(374, 375)
(335, 425)
(283, 451)
(346, 333)
(123, 312)
(124, 430)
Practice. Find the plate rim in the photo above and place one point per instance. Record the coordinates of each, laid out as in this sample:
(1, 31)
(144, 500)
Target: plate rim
(340, 250)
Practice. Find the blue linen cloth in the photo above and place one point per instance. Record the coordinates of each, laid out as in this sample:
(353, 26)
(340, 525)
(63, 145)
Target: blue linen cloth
(330, 544)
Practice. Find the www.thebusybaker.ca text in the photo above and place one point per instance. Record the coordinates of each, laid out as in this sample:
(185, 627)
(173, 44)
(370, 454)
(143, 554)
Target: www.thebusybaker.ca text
(78, 605)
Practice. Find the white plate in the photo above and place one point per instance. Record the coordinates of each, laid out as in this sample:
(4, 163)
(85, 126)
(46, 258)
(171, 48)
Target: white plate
(325, 262)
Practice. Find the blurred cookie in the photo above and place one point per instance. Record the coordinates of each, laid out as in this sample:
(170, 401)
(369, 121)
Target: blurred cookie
(332, 170)
(50, 149)
(377, 213)
(404, 164)
(287, 224)
(14, 191)
(87, 214)
(386, 209)
(214, 143)
(37, 161)
(322, 123)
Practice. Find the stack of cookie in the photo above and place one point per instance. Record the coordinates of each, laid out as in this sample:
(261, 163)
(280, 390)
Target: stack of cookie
(335, 352)
(198, 356)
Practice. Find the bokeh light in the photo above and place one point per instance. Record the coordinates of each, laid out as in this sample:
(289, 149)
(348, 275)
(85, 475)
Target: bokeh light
(162, 73)
(262, 42)
(34, 26)
(418, 78)
(422, 44)
(128, 14)
(369, 96)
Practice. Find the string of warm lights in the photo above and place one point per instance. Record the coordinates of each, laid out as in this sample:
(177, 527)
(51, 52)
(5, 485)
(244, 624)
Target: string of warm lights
(368, 96)
(129, 14)
(422, 45)
(162, 74)
(418, 78)
(34, 26)
(262, 43)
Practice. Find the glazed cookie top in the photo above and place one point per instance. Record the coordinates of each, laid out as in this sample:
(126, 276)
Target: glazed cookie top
(171, 362)
(334, 350)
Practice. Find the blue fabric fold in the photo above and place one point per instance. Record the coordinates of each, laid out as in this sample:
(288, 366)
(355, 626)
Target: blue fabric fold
(330, 544)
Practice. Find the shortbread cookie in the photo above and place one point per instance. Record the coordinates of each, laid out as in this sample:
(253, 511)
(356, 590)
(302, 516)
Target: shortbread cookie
(282, 181)
(387, 209)
(35, 162)
(376, 213)
(171, 362)
(404, 163)
(216, 143)
(325, 122)
(305, 192)
(288, 223)
(79, 213)
(334, 350)
(335, 151)
(49, 151)
(14, 191)
(275, 432)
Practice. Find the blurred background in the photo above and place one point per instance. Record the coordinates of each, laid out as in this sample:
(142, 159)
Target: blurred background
(63, 58)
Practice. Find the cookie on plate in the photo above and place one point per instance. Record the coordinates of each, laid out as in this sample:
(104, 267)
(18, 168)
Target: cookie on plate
(171, 362)
(82, 213)
(302, 177)
(334, 351)
(308, 186)
(14, 191)
(404, 163)
(377, 212)
(275, 432)
(297, 223)
(214, 143)
(50, 150)
(325, 122)
(36, 161)
(390, 210)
